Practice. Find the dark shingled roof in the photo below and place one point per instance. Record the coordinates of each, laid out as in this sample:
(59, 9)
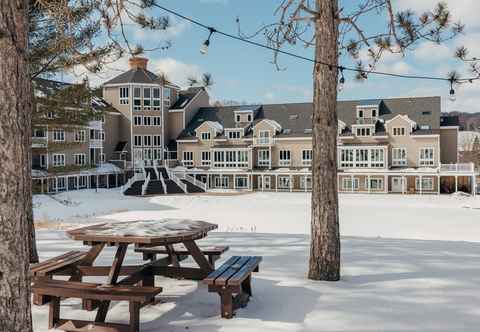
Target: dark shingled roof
(134, 76)
(296, 118)
(185, 96)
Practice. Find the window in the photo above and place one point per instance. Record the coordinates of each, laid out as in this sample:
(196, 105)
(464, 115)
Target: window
(205, 136)
(157, 120)
(59, 184)
(399, 157)
(425, 127)
(102, 135)
(263, 158)
(137, 140)
(374, 113)
(237, 118)
(206, 158)
(249, 118)
(221, 182)
(147, 140)
(426, 113)
(284, 182)
(157, 140)
(102, 157)
(58, 135)
(156, 99)
(51, 115)
(123, 96)
(80, 136)
(360, 114)
(377, 158)
(399, 131)
(187, 158)
(167, 96)
(307, 157)
(230, 158)
(82, 181)
(137, 101)
(427, 183)
(234, 134)
(306, 182)
(137, 120)
(375, 184)
(285, 158)
(241, 182)
(80, 159)
(346, 158)
(58, 160)
(364, 132)
(347, 184)
(39, 133)
(146, 98)
(426, 157)
(361, 158)
(264, 137)
(147, 120)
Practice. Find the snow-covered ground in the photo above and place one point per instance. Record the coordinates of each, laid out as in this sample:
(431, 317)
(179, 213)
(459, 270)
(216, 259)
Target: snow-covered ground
(406, 262)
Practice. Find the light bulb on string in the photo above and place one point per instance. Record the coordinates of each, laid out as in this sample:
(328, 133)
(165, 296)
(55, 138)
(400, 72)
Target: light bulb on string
(206, 43)
(452, 91)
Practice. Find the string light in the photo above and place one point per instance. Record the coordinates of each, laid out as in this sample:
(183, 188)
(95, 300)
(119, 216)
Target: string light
(341, 82)
(363, 73)
(452, 91)
(206, 43)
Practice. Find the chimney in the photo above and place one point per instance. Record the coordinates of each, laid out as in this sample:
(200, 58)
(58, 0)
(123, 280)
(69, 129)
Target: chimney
(138, 63)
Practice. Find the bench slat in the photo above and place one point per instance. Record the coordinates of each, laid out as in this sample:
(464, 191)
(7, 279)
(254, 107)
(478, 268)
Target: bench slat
(87, 326)
(212, 250)
(245, 271)
(210, 279)
(59, 260)
(91, 291)
(231, 270)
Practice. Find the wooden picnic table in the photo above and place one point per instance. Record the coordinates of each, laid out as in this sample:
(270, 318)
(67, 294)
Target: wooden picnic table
(150, 233)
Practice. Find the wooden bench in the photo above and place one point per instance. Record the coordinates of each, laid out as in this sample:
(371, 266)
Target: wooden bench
(212, 252)
(50, 267)
(56, 289)
(232, 281)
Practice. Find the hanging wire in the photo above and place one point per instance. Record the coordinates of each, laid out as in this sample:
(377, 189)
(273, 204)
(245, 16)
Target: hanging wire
(331, 66)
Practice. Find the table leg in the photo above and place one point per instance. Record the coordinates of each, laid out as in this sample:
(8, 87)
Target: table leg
(171, 254)
(92, 255)
(198, 256)
(112, 280)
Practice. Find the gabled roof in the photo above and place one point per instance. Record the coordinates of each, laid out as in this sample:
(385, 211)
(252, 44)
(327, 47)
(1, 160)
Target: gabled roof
(185, 97)
(296, 118)
(136, 75)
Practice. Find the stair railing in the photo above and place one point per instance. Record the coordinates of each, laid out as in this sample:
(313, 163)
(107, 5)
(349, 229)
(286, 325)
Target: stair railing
(175, 179)
(145, 184)
(195, 182)
(136, 177)
(163, 182)
(156, 171)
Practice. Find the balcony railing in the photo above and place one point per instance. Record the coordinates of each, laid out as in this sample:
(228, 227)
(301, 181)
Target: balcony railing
(366, 121)
(457, 168)
(263, 141)
(39, 142)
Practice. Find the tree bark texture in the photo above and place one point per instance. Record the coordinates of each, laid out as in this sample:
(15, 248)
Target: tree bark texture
(15, 168)
(324, 261)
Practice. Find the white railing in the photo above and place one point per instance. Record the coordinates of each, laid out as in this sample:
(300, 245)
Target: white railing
(175, 179)
(136, 177)
(194, 181)
(263, 141)
(163, 183)
(457, 168)
(156, 172)
(145, 184)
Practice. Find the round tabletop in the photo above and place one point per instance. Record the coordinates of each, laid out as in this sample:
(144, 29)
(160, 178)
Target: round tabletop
(144, 232)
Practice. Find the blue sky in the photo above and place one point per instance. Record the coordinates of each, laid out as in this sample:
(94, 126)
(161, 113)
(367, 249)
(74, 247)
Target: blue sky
(245, 73)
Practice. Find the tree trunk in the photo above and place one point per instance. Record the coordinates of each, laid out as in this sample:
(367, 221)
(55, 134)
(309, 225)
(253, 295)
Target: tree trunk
(15, 169)
(325, 234)
(32, 242)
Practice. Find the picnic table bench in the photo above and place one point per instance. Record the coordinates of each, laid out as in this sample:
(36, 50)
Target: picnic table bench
(212, 252)
(232, 281)
(56, 289)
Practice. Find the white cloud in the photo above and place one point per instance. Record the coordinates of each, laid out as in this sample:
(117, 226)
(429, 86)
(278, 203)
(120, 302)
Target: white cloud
(430, 51)
(178, 72)
(269, 97)
(175, 29)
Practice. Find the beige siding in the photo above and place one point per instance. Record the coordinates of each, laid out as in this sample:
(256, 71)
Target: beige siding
(263, 126)
(295, 147)
(112, 134)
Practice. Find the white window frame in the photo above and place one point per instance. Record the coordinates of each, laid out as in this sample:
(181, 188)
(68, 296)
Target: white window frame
(157, 120)
(147, 102)
(157, 140)
(234, 134)
(60, 183)
(206, 158)
(124, 95)
(239, 180)
(137, 139)
(147, 140)
(430, 181)
(156, 101)
(264, 158)
(221, 182)
(306, 181)
(309, 154)
(58, 159)
(399, 131)
(347, 183)
(138, 120)
(57, 133)
(422, 160)
(378, 183)
(80, 159)
(147, 120)
(187, 158)
(137, 100)
(167, 96)
(80, 136)
(284, 157)
(284, 182)
(399, 160)
(205, 136)
(82, 181)
(363, 131)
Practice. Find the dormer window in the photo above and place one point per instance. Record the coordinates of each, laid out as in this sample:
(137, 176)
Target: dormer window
(360, 113)
(249, 118)
(205, 136)
(237, 118)
(234, 134)
(364, 132)
(399, 131)
(374, 113)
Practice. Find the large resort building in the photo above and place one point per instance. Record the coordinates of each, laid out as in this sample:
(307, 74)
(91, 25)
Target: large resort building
(155, 138)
